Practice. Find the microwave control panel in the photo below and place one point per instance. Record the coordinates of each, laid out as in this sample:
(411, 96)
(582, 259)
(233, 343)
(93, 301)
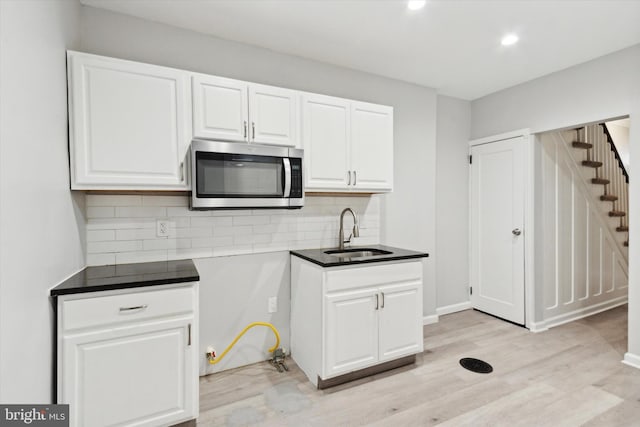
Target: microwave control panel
(296, 178)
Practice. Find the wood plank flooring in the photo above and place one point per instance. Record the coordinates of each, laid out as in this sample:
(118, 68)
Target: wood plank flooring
(570, 375)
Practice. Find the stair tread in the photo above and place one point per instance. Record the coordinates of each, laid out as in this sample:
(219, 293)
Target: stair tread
(622, 228)
(591, 164)
(600, 181)
(580, 144)
(608, 198)
(616, 213)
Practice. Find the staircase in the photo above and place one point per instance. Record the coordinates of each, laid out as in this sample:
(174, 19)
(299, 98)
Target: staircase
(601, 156)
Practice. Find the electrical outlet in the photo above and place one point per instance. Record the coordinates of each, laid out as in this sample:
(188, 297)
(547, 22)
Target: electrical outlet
(273, 304)
(162, 228)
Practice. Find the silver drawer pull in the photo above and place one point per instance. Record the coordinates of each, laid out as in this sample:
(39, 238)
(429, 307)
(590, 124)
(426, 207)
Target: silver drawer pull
(137, 307)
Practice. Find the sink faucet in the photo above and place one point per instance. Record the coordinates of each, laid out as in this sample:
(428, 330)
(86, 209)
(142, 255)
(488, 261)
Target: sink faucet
(354, 233)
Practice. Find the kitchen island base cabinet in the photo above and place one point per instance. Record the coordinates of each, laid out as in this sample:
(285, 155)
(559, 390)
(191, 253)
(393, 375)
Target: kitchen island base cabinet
(348, 319)
(129, 358)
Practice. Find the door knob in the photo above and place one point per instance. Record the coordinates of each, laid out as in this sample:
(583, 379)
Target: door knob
(516, 232)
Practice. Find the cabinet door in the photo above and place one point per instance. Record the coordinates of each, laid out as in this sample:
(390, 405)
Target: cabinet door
(220, 108)
(371, 146)
(325, 135)
(143, 374)
(273, 114)
(129, 124)
(400, 320)
(350, 332)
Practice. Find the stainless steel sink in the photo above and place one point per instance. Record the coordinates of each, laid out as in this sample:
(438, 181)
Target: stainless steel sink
(356, 252)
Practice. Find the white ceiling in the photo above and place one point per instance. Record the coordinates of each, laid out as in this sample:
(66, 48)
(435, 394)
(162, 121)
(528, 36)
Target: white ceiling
(451, 45)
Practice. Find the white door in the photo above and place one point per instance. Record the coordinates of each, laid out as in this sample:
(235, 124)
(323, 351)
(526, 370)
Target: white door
(326, 135)
(220, 108)
(497, 233)
(129, 124)
(138, 374)
(371, 146)
(400, 320)
(351, 332)
(273, 115)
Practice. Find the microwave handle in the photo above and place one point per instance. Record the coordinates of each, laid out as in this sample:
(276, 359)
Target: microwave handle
(287, 177)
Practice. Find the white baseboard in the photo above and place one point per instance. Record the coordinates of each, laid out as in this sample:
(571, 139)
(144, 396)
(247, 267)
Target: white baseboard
(631, 360)
(537, 327)
(428, 320)
(453, 308)
(581, 313)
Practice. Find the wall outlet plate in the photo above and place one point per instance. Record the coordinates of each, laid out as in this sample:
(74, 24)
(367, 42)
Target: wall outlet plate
(273, 305)
(162, 228)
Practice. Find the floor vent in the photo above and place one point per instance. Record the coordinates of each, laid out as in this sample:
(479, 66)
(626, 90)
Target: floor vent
(476, 365)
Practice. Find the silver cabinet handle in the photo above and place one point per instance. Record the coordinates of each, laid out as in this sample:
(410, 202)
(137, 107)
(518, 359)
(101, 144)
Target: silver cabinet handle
(349, 175)
(137, 307)
(355, 178)
(376, 301)
(189, 338)
(245, 129)
(516, 232)
(182, 172)
(253, 129)
(382, 296)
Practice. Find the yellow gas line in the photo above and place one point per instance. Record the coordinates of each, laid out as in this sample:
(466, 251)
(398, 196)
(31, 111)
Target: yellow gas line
(213, 361)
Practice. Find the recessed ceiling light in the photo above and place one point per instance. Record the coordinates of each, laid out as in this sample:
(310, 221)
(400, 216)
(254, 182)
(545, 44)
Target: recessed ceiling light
(416, 4)
(509, 39)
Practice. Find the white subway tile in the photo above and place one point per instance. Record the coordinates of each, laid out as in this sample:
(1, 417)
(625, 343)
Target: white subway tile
(140, 256)
(183, 211)
(100, 235)
(100, 212)
(114, 246)
(270, 228)
(141, 212)
(212, 221)
(234, 212)
(113, 200)
(180, 221)
(251, 220)
(164, 243)
(165, 201)
(119, 223)
(101, 259)
(194, 232)
(233, 231)
(243, 240)
(136, 234)
(173, 254)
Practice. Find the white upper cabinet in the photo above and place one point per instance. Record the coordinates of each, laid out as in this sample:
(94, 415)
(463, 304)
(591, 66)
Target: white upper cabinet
(348, 145)
(372, 146)
(325, 141)
(274, 115)
(129, 124)
(220, 108)
(233, 110)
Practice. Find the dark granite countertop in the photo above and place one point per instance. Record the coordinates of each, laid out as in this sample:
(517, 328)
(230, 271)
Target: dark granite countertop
(318, 256)
(124, 276)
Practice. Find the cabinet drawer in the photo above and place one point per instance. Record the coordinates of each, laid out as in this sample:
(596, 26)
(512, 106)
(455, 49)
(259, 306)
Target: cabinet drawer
(135, 306)
(338, 280)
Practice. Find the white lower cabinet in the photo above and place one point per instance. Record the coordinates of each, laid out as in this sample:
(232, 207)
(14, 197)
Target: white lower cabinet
(344, 319)
(129, 357)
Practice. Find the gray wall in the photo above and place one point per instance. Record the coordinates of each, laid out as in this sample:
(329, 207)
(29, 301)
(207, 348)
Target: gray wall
(452, 201)
(41, 224)
(408, 214)
(605, 88)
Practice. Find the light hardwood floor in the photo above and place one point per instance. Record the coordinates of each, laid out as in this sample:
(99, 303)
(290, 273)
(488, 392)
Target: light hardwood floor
(568, 376)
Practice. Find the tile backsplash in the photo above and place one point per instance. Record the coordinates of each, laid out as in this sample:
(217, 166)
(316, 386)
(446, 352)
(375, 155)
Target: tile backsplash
(122, 228)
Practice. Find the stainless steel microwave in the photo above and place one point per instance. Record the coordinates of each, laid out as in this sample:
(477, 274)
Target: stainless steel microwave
(226, 175)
